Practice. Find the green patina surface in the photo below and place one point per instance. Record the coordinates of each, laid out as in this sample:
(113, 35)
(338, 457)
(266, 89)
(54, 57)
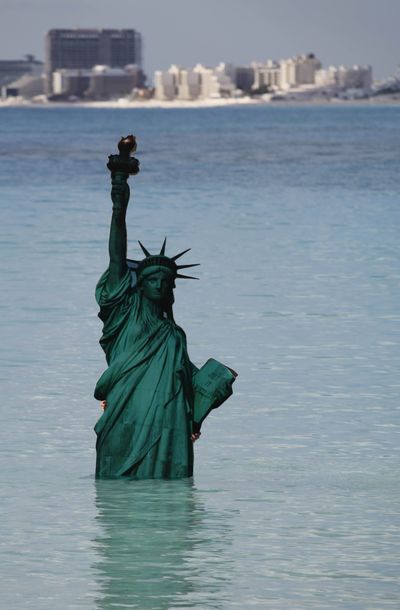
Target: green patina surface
(156, 398)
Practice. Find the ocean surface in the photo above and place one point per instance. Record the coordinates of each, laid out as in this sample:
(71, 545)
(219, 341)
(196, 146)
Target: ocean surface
(293, 213)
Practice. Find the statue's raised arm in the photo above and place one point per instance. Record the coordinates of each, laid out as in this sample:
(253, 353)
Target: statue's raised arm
(121, 167)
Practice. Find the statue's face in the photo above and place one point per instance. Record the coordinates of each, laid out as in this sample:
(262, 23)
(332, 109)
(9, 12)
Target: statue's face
(156, 286)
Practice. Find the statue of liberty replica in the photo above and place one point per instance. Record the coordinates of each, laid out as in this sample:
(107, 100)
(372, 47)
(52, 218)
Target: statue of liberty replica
(153, 398)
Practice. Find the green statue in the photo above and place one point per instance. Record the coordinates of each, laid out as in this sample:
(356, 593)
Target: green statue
(154, 399)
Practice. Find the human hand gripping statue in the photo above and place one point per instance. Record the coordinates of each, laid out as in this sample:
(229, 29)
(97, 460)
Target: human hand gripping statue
(153, 398)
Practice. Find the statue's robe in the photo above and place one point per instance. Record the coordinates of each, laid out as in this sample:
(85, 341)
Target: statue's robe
(145, 431)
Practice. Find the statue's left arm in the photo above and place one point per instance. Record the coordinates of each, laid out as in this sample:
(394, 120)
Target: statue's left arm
(121, 167)
(117, 245)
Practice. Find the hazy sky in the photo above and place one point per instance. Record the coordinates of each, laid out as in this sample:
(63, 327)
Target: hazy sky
(239, 31)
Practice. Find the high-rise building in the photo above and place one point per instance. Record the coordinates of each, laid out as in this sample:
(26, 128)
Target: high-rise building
(342, 78)
(176, 83)
(85, 48)
(267, 75)
(298, 70)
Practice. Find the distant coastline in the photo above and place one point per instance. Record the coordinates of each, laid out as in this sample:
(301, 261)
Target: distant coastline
(384, 100)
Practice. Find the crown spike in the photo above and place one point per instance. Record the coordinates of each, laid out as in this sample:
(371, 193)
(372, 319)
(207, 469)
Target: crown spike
(162, 251)
(187, 266)
(174, 258)
(145, 252)
(186, 277)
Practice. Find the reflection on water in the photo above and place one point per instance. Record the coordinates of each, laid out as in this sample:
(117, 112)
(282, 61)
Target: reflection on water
(157, 547)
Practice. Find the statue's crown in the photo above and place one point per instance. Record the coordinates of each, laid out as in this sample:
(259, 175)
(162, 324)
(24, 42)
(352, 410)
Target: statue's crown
(160, 260)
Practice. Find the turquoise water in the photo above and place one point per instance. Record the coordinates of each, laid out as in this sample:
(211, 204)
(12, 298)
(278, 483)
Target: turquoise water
(294, 215)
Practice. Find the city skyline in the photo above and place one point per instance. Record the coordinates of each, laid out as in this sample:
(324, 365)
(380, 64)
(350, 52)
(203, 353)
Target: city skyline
(347, 33)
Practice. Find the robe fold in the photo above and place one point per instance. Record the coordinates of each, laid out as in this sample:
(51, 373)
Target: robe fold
(145, 432)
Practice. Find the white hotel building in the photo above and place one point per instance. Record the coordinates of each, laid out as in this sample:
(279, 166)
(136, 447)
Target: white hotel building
(266, 75)
(341, 78)
(300, 70)
(199, 82)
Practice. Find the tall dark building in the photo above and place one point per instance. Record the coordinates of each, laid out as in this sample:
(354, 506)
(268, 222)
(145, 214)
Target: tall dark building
(85, 48)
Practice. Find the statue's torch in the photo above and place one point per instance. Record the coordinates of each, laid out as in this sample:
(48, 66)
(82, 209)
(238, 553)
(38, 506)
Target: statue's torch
(123, 162)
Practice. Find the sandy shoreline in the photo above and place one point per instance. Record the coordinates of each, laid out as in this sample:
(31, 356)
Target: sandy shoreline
(210, 103)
